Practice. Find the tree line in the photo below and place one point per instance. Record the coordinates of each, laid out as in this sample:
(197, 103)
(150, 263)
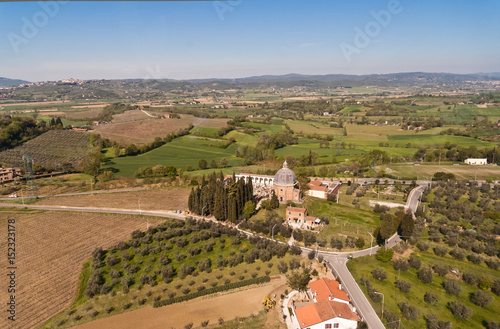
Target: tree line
(225, 200)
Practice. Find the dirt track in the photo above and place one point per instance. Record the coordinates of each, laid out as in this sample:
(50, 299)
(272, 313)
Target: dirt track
(228, 306)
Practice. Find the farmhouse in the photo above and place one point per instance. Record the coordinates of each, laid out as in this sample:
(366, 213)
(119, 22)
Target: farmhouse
(331, 307)
(477, 162)
(297, 217)
(322, 190)
(9, 173)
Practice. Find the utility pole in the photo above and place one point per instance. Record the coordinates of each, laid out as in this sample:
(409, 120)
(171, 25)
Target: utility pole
(383, 297)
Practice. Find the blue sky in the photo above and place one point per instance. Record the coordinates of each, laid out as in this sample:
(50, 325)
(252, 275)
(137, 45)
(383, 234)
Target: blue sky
(205, 39)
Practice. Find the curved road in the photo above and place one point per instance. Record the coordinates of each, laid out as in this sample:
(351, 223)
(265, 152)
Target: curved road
(336, 260)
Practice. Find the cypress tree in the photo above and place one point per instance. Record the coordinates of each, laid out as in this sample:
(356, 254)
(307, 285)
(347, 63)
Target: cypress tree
(191, 200)
(274, 201)
(250, 189)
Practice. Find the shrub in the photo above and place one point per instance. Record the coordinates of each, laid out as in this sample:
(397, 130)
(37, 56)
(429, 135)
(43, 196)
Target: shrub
(452, 287)
(433, 323)
(496, 287)
(493, 263)
(403, 286)
(204, 323)
(415, 262)
(431, 297)
(189, 325)
(360, 243)
(493, 325)
(460, 311)
(392, 321)
(458, 253)
(440, 250)
(470, 278)
(422, 245)
(384, 255)
(475, 258)
(311, 254)
(410, 312)
(425, 275)
(440, 270)
(379, 274)
(481, 298)
(401, 265)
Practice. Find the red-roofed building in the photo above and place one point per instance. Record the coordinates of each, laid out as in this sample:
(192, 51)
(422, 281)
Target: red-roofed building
(322, 190)
(297, 217)
(326, 289)
(326, 314)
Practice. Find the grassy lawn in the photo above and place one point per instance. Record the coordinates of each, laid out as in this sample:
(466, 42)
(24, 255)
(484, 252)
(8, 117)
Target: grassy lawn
(363, 266)
(344, 220)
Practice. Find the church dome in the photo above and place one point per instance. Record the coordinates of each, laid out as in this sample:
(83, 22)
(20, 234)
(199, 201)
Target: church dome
(285, 175)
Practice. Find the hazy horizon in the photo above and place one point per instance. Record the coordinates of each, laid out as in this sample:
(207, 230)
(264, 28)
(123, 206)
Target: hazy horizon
(183, 40)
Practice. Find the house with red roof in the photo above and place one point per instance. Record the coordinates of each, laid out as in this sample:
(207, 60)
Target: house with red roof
(297, 217)
(331, 308)
(322, 190)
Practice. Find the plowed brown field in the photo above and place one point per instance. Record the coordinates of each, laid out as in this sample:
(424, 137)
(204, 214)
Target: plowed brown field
(51, 248)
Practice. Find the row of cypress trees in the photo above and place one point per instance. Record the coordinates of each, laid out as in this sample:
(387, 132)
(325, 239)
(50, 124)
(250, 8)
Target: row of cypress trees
(224, 200)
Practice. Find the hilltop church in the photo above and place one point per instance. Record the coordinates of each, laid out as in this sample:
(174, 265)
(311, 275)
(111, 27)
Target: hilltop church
(284, 184)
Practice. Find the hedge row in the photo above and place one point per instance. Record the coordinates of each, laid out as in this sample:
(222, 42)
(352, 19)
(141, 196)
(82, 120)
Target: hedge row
(210, 291)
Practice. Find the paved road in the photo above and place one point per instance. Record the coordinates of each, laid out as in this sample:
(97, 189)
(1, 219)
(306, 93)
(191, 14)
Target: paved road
(358, 298)
(336, 260)
(19, 197)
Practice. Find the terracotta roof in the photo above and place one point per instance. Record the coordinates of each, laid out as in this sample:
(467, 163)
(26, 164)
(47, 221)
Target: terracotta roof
(303, 210)
(310, 218)
(322, 311)
(315, 183)
(318, 188)
(325, 288)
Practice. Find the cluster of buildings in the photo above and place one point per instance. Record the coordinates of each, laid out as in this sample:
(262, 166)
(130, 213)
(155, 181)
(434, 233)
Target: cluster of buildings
(284, 185)
(327, 306)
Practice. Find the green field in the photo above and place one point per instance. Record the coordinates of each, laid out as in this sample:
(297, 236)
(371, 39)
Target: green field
(427, 139)
(313, 128)
(426, 171)
(179, 153)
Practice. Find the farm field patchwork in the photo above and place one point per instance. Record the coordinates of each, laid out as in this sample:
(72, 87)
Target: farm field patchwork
(144, 131)
(179, 153)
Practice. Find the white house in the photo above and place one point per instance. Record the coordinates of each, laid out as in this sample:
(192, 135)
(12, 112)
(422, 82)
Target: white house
(476, 162)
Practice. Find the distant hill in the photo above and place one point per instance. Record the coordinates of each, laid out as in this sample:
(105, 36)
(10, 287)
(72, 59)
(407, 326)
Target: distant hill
(6, 82)
(150, 88)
